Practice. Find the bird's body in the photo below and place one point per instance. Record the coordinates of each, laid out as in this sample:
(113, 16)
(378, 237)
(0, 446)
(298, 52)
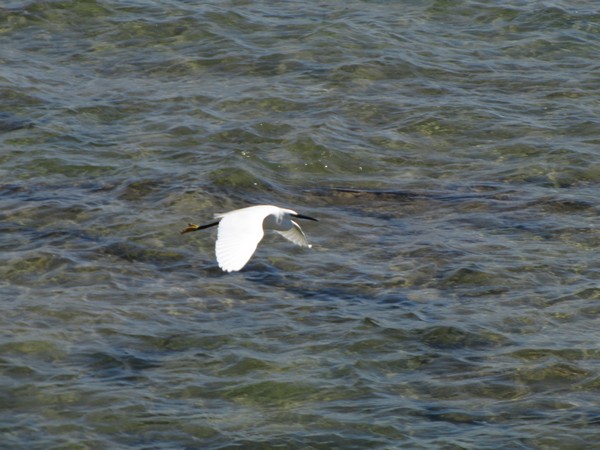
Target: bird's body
(241, 230)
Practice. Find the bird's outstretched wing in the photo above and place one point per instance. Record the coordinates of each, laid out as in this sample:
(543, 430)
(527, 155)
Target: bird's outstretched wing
(238, 236)
(296, 235)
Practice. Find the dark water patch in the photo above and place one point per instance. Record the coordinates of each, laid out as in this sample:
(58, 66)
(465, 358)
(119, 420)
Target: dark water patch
(238, 179)
(132, 252)
(189, 342)
(273, 393)
(30, 268)
(591, 293)
(47, 350)
(9, 122)
(455, 416)
(473, 276)
(236, 366)
(475, 197)
(18, 98)
(568, 354)
(593, 385)
(318, 440)
(370, 195)
(449, 337)
(119, 368)
(543, 376)
(565, 205)
(141, 189)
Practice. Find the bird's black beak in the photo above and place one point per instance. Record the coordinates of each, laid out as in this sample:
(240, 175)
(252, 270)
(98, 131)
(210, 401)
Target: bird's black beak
(300, 216)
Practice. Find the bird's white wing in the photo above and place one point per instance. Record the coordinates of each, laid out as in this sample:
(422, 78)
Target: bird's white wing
(238, 236)
(296, 235)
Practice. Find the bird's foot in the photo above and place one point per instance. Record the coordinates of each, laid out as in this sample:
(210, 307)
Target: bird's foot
(190, 227)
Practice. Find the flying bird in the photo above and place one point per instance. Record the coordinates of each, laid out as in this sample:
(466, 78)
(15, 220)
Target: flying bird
(241, 230)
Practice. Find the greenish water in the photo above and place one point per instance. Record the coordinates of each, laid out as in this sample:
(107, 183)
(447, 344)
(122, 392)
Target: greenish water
(450, 151)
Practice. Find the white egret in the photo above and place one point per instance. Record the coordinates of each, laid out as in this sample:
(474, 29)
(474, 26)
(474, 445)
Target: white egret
(241, 230)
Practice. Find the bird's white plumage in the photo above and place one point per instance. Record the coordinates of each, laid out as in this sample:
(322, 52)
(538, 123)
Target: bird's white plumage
(295, 235)
(241, 230)
(239, 233)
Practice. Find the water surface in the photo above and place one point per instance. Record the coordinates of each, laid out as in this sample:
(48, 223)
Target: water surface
(450, 151)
